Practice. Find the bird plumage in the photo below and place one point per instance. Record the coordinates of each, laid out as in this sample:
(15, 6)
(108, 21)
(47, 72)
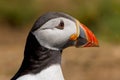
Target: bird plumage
(51, 33)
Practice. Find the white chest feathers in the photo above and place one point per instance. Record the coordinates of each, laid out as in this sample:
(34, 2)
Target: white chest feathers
(53, 72)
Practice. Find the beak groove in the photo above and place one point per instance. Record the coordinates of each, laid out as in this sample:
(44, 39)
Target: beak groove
(86, 38)
(92, 40)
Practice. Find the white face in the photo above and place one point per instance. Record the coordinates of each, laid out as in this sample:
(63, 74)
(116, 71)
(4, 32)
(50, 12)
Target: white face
(53, 38)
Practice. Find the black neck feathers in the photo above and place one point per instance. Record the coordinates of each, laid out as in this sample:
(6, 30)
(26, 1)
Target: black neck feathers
(37, 57)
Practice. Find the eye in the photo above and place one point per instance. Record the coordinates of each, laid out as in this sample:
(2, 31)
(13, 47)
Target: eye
(61, 25)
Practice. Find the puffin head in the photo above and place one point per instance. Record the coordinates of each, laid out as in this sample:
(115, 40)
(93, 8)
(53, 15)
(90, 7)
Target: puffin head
(50, 34)
(56, 31)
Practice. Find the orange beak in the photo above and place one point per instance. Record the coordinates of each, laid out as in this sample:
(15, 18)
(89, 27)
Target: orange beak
(90, 37)
(84, 37)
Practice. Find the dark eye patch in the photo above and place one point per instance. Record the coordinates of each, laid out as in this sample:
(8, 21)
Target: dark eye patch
(61, 25)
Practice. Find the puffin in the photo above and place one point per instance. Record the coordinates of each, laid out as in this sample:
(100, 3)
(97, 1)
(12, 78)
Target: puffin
(50, 35)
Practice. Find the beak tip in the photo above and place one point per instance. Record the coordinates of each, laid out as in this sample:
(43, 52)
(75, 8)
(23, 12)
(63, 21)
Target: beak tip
(96, 45)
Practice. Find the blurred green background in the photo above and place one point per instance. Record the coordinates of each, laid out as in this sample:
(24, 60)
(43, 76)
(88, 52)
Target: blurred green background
(101, 16)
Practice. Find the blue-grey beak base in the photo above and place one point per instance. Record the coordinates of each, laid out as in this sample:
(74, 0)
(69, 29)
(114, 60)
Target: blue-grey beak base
(82, 39)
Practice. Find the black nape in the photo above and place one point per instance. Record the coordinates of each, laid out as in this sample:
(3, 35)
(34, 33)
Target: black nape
(37, 57)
